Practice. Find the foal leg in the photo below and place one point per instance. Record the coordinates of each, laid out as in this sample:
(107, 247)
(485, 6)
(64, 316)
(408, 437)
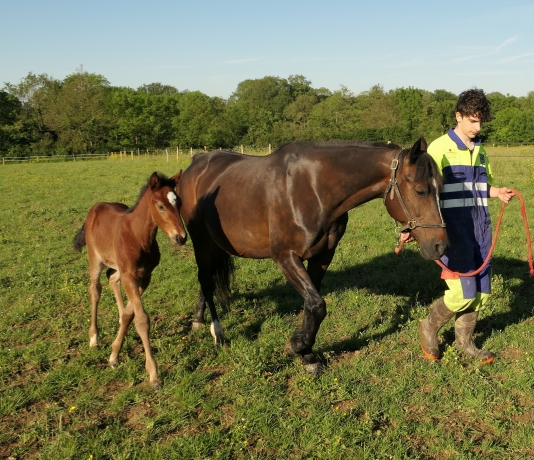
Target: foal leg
(95, 289)
(125, 316)
(142, 325)
(302, 341)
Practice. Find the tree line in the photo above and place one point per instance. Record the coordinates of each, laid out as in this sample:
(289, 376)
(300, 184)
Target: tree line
(84, 114)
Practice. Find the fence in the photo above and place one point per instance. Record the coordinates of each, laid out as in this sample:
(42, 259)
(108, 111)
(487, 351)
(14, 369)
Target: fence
(124, 154)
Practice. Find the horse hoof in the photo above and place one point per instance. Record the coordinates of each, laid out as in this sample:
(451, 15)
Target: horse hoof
(288, 349)
(156, 386)
(313, 369)
(197, 326)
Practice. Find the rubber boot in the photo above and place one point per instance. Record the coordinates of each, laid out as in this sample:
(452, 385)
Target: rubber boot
(463, 331)
(428, 328)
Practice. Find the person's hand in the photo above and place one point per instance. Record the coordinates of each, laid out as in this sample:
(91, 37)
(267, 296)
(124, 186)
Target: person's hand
(505, 194)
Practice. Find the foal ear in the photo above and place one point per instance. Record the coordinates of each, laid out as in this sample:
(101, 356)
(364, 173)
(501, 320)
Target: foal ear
(418, 148)
(154, 181)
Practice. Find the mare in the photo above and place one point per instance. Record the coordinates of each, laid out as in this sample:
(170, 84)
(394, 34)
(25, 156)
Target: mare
(124, 239)
(292, 206)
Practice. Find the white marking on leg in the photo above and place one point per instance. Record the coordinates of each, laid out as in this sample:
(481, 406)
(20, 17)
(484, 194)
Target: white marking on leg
(93, 341)
(217, 332)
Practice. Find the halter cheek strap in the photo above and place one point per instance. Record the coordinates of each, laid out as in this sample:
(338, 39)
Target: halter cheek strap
(393, 187)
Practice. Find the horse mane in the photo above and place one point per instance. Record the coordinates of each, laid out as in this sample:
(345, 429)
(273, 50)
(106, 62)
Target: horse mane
(357, 143)
(164, 181)
(345, 143)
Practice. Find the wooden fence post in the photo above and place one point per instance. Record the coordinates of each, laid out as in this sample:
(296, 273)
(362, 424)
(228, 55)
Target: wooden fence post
(269, 149)
(167, 153)
(191, 154)
(241, 149)
(131, 151)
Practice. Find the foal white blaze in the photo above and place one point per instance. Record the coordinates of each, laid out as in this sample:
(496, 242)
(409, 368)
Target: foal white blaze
(171, 196)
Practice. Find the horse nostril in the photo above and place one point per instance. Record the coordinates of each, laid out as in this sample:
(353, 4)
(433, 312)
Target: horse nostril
(181, 239)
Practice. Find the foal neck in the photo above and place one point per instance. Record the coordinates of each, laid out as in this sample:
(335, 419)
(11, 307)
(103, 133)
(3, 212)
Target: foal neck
(142, 223)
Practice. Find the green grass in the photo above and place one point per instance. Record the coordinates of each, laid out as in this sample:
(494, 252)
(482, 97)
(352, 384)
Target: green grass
(377, 397)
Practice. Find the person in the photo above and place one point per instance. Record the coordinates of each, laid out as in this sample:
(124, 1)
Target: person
(468, 183)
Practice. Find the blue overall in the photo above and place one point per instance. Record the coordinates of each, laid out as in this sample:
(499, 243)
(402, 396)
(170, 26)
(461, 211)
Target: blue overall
(464, 205)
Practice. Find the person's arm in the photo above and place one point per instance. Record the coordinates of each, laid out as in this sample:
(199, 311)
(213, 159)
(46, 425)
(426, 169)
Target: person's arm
(503, 193)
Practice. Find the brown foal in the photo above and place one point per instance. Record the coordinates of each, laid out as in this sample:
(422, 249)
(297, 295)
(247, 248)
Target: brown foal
(124, 239)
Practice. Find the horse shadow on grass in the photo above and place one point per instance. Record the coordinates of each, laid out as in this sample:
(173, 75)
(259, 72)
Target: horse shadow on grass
(408, 275)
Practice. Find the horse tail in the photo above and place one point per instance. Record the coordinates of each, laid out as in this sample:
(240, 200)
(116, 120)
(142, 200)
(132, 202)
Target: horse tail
(79, 239)
(223, 275)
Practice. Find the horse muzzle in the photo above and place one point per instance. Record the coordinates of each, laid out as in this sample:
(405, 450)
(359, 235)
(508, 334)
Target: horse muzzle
(179, 239)
(433, 250)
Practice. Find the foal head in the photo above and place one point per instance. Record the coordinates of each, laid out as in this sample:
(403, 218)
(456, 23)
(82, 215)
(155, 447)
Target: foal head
(419, 183)
(165, 206)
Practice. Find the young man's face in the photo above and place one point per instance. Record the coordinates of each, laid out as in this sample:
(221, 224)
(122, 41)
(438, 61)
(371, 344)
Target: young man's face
(469, 125)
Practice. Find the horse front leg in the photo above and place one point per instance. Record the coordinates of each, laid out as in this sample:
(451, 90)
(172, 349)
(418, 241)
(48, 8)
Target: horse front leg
(142, 326)
(208, 258)
(125, 316)
(318, 264)
(95, 290)
(302, 341)
(198, 317)
(206, 298)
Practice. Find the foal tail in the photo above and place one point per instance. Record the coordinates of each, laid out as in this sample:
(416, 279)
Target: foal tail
(223, 274)
(79, 239)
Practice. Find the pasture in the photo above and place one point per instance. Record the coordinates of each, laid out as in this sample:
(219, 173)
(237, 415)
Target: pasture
(377, 397)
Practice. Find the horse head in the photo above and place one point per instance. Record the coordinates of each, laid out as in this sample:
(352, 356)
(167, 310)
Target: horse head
(166, 206)
(412, 198)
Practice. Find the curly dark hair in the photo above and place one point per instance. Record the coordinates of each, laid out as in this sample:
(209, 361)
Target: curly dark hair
(474, 102)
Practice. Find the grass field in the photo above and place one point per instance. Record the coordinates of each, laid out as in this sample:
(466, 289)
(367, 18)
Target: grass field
(377, 397)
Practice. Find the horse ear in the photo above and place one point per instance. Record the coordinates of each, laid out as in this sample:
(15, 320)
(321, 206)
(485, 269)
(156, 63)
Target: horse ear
(154, 181)
(418, 148)
(176, 177)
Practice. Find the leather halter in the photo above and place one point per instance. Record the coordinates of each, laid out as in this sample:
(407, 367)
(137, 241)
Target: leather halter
(392, 188)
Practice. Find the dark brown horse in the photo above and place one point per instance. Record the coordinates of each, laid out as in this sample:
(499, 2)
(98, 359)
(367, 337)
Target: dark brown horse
(293, 205)
(124, 239)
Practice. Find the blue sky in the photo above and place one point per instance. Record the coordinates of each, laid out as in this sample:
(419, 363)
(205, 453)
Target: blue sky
(212, 46)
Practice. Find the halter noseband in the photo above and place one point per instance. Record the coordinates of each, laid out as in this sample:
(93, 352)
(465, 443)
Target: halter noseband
(392, 188)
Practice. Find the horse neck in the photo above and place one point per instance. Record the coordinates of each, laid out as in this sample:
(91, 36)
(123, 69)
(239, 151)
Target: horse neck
(368, 173)
(142, 223)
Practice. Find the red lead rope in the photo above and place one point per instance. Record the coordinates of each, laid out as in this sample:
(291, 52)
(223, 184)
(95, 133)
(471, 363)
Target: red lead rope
(452, 274)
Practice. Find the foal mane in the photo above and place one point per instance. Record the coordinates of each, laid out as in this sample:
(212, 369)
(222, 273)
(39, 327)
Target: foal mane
(164, 182)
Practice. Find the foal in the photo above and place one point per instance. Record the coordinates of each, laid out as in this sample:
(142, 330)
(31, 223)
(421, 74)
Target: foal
(124, 239)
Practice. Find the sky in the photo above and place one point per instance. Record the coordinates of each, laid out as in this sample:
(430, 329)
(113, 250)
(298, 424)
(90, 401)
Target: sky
(212, 46)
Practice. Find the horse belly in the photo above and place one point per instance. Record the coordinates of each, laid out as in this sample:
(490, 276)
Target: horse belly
(100, 228)
(242, 237)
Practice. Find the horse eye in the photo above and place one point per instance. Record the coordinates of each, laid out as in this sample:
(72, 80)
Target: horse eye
(421, 192)
(161, 207)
